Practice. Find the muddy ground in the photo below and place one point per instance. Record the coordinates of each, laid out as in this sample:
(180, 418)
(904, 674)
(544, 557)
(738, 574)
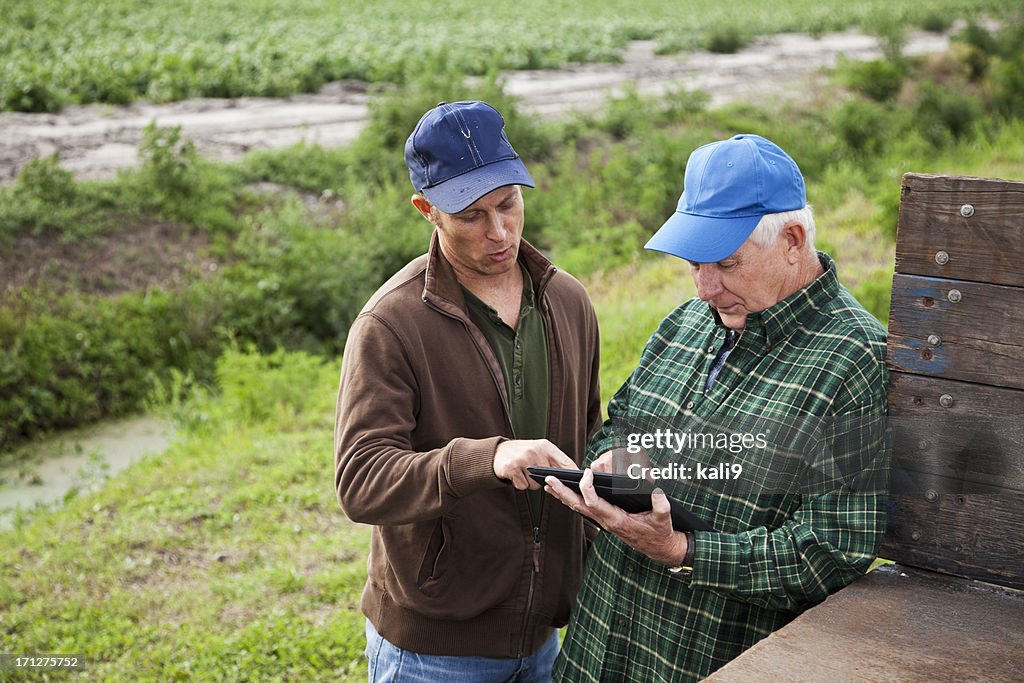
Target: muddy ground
(95, 141)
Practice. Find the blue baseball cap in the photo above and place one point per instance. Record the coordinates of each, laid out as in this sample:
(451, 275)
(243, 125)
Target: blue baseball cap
(729, 185)
(459, 152)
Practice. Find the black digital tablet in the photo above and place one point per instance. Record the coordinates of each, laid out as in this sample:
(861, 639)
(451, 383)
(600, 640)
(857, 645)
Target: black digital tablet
(628, 493)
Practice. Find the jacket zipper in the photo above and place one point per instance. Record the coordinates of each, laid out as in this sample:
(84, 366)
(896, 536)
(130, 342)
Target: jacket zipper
(536, 523)
(529, 595)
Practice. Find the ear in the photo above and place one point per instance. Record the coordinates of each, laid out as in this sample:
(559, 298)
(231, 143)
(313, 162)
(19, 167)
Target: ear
(422, 205)
(795, 240)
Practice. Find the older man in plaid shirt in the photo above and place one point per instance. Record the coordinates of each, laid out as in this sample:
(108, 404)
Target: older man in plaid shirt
(762, 401)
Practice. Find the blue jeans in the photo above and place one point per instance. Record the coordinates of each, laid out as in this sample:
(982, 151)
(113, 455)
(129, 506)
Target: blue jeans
(391, 664)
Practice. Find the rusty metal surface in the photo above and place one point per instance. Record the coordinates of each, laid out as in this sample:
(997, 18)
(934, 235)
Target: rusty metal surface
(896, 624)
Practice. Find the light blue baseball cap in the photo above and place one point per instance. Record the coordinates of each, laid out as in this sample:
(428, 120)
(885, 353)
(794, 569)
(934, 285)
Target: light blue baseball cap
(729, 185)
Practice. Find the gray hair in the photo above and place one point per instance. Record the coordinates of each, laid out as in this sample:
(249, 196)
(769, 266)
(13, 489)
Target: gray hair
(770, 226)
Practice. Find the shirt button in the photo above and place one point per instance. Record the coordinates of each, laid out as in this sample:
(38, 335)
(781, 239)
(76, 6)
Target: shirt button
(621, 621)
(711, 349)
(690, 405)
(519, 380)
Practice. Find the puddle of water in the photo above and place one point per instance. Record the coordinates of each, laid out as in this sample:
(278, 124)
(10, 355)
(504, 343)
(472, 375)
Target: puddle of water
(80, 460)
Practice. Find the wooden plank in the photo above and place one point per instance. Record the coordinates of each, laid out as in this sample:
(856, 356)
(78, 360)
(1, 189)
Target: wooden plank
(971, 441)
(975, 536)
(918, 395)
(947, 465)
(895, 624)
(987, 246)
(977, 335)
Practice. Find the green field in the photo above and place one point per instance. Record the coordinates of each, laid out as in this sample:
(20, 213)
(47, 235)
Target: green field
(56, 52)
(227, 558)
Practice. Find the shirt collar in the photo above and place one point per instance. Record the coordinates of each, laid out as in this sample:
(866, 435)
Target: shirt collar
(441, 287)
(779, 321)
(527, 299)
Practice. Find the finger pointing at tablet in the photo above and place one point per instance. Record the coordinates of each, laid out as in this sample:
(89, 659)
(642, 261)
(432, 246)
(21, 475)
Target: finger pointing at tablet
(513, 457)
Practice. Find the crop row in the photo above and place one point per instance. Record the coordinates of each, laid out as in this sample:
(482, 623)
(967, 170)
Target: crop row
(59, 52)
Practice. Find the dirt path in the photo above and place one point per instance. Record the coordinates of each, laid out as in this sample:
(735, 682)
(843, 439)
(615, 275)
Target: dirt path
(95, 141)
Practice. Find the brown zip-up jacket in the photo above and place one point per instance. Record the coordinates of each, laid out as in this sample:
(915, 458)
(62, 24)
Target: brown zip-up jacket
(456, 566)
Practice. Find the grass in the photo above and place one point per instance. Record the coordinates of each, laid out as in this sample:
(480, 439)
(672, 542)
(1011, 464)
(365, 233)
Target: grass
(226, 558)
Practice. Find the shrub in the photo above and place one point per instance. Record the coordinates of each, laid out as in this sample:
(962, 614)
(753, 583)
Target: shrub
(1008, 87)
(634, 115)
(979, 37)
(27, 86)
(943, 114)
(173, 182)
(725, 40)
(891, 38)
(878, 79)
(862, 125)
(44, 179)
(43, 198)
(979, 47)
(76, 361)
(936, 22)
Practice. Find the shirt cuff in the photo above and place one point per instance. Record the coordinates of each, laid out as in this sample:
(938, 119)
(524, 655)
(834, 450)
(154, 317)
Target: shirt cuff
(720, 561)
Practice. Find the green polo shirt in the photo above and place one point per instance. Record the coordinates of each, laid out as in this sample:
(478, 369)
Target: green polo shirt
(522, 354)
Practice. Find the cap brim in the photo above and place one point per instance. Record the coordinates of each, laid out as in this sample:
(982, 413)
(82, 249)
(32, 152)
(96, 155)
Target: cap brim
(459, 192)
(701, 238)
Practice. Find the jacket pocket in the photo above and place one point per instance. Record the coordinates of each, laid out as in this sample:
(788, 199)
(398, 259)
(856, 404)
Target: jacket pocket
(432, 566)
(462, 565)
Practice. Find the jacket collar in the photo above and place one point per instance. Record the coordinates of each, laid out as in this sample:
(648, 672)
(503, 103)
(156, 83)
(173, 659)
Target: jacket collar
(441, 287)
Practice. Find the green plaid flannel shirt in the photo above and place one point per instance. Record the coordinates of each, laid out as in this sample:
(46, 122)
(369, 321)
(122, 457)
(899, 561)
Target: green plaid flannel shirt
(818, 353)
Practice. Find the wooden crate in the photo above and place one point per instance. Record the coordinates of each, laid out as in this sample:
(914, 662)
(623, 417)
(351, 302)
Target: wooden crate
(956, 362)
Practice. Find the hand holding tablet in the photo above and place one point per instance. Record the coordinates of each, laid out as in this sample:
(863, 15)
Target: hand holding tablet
(630, 494)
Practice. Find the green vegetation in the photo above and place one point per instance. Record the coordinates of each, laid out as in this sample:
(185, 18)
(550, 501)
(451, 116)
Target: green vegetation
(290, 267)
(726, 40)
(227, 558)
(59, 52)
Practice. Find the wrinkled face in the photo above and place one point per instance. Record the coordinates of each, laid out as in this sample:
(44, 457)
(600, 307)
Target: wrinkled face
(752, 279)
(483, 239)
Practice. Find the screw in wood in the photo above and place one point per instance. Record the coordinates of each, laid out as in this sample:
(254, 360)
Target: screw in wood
(966, 210)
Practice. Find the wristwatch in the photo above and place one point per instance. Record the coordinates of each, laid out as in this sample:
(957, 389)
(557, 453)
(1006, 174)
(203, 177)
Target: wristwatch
(686, 566)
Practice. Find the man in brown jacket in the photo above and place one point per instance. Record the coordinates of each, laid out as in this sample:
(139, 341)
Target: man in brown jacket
(471, 363)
